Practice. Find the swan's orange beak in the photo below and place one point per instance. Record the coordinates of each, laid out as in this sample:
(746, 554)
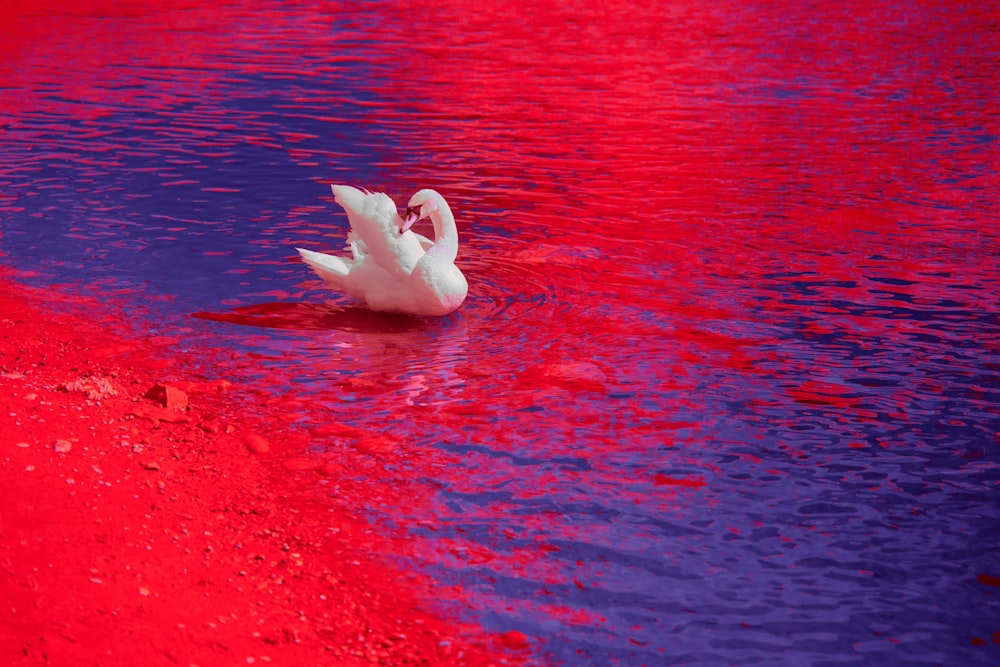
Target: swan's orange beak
(412, 215)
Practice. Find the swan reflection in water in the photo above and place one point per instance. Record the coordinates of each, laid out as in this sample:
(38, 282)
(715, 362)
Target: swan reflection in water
(364, 351)
(316, 317)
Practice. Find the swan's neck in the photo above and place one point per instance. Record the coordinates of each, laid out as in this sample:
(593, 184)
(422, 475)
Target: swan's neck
(445, 247)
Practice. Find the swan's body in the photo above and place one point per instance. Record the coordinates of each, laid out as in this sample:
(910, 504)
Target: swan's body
(391, 268)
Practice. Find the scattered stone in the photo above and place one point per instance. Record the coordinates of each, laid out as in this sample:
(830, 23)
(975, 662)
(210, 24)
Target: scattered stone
(208, 427)
(168, 396)
(62, 446)
(256, 443)
(151, 465)
(22, 445)
(94, 387)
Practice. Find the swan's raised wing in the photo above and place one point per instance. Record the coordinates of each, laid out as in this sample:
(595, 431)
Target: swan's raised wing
(375, 221)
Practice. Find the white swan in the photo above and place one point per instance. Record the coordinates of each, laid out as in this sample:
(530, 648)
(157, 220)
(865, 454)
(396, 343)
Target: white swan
(392, 268)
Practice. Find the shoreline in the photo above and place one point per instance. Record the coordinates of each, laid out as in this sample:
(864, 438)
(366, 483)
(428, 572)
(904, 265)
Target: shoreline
(145, 525)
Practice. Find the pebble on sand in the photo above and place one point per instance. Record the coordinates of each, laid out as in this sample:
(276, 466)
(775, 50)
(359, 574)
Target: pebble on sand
(168, 396)
(256, 443)
(62, 446)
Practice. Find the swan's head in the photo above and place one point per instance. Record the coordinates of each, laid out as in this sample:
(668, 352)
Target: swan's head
(422, 205)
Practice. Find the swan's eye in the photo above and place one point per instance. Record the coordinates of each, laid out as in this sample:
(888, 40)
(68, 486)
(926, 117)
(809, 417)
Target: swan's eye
(413, 210)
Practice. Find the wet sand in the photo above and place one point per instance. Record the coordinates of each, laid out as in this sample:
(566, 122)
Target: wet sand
(165, 526)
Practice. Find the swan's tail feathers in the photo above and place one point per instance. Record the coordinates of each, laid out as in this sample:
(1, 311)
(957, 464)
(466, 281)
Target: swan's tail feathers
(332, 269)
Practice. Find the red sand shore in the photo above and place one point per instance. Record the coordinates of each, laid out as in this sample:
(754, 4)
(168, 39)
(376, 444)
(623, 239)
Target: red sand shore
(142, 534)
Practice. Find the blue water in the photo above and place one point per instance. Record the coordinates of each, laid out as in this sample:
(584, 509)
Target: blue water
(726, 386)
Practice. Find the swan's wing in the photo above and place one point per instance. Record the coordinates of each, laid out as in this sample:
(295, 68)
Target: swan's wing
(375, 221)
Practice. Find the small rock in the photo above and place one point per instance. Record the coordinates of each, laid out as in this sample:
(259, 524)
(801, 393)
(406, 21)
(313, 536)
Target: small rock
(94, 387)
(256, 443)
(208, 427)
(62, 446)
(168, 396)
(151, 465)
(22, 445)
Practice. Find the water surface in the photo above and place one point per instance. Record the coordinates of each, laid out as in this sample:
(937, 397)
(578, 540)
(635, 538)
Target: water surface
(725, 389)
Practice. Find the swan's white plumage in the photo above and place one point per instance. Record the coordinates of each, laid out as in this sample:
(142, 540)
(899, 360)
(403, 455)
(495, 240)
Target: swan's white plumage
(375, 221)
(390, 270)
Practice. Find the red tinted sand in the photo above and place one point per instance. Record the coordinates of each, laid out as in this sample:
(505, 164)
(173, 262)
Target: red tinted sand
(134, 533)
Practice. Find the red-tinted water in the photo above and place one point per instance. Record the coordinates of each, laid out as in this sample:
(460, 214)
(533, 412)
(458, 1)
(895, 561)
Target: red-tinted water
(725, 388)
